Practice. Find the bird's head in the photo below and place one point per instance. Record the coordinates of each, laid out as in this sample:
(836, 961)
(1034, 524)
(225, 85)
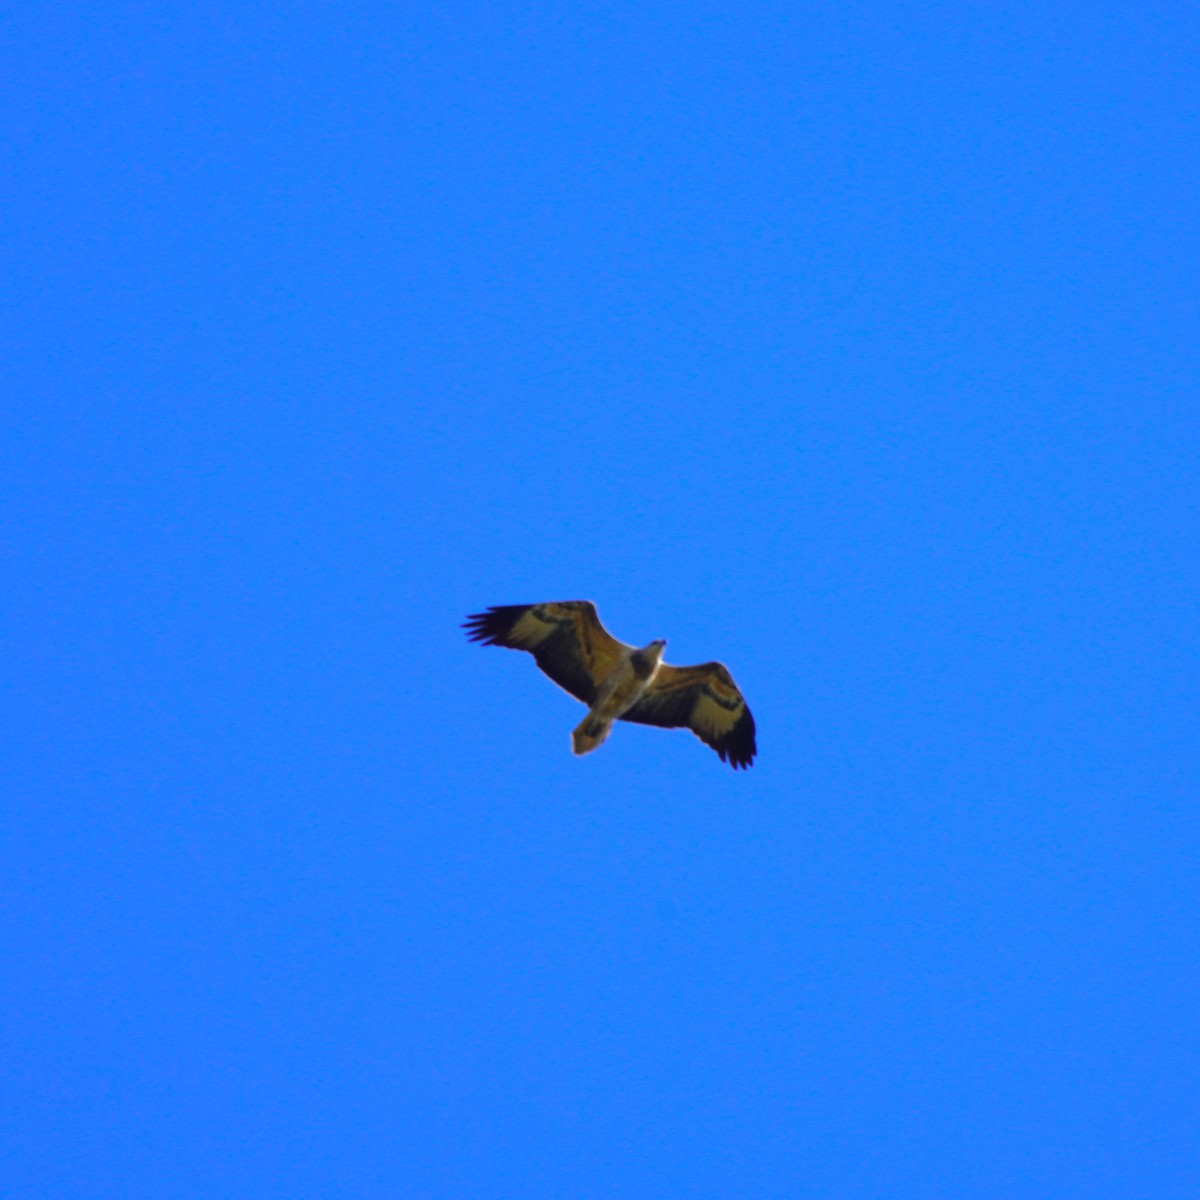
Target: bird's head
(654, 651)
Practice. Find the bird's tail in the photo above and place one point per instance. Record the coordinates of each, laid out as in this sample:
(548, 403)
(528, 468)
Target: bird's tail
(589, 733)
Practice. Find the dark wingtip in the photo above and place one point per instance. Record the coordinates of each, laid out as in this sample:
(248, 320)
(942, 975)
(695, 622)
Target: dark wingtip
(740, 745)
(482, 627)
(476, 626)
(494, 625)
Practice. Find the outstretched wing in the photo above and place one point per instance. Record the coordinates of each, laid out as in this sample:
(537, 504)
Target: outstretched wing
(565, 637)
(705, 700)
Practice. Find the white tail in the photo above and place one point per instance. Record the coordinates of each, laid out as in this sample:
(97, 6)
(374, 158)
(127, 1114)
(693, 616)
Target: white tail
(589, 733)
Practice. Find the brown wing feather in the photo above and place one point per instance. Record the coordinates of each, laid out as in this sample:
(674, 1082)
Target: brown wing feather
(705, 700)
(565, 638)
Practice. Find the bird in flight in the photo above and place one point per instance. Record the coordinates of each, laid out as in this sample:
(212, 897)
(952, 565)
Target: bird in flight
(619, 682)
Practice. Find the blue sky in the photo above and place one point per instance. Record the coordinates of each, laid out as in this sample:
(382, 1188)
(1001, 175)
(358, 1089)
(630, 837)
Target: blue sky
(852, 345)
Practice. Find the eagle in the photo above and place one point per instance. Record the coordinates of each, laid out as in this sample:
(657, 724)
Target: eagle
(619, 682)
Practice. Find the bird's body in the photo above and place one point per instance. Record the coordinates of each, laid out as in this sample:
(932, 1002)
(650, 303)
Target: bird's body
(623, 687)
(621, 682)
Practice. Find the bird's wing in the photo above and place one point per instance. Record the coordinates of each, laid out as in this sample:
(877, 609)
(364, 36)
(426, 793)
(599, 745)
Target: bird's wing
(705, 700)
(565, 637)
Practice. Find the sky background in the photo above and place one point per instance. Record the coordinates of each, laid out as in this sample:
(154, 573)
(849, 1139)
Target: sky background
(853, 345)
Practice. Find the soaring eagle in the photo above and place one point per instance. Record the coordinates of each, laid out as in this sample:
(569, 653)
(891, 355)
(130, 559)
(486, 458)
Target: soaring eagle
(619, 682)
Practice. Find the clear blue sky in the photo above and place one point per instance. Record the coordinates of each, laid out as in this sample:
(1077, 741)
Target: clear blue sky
(854, 345)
